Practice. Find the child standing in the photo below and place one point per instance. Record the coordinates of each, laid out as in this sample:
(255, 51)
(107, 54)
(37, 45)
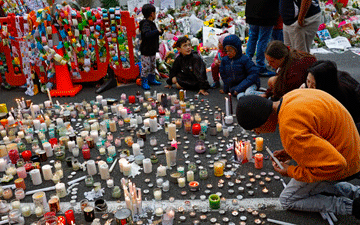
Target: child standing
(149, 46)
(238, 72)
(189, 70)
(217, 60)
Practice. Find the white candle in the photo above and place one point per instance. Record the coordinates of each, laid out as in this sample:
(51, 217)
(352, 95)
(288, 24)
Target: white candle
(75, 152)
(227, 106)
(157, 194)
(190, 175)
(20, 134)
(47, 147)
(112, 125)
(47, 173)
(47, 104)
(94, 134)
(79, 141)
(127, 169)
(136, 149)
(122, 161)
(147, 94)
(2, 165)
(133, 122)
(104, 102)
(91, 167)
(6, 140)
(229, 119)
(3, 133)
(218, 127)
(35, 176)
(110, 183)
(71, 145)
(159, 211)
(153, 124)
(161, 171)
(147, 165)
(181, 182)
(146, 123)
(60, 190)
(166, 186)
(99, 98)
(43, 126)
(123, 113)
(171, 132)
(104, 170)
(139, 119)
(59, 122)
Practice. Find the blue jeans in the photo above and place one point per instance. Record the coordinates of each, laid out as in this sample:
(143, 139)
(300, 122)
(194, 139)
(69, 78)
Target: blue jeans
(259, 37)
(278, 35)
(252, 90)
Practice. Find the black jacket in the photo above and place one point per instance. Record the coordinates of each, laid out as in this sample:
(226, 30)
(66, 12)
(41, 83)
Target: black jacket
(262, 12)
(190, 72)
(149, 38)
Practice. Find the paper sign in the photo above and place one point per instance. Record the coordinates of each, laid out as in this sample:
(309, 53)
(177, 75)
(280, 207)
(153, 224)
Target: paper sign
(324, 34)
(135, 4)
(338, 43)
(210, 35)
(167, 4)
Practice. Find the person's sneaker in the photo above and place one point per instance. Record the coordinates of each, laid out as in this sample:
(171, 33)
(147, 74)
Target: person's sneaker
(356, 208)
(267, 73)
(215, 85)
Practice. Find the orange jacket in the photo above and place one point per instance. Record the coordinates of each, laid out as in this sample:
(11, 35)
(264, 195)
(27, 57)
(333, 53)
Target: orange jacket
(320, 135)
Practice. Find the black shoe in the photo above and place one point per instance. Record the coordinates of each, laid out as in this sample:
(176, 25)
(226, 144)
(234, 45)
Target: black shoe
(215, 85)
(356, 208)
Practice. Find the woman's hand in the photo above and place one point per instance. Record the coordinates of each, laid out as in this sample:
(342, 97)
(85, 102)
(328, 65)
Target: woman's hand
(283, 172)
(281, 155)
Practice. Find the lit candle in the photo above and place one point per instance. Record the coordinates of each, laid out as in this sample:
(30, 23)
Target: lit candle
(157, 194)
(227, 106)
(218, 127)
(259, 141)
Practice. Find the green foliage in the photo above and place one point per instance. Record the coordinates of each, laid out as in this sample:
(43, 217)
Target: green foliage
(334, 32)
(109, 3)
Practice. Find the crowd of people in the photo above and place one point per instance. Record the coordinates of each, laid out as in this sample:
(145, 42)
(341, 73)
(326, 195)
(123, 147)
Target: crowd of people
(315, 107)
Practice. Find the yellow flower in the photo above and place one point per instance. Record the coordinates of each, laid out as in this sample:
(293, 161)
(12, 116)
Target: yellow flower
(212, 21)
(206, 23)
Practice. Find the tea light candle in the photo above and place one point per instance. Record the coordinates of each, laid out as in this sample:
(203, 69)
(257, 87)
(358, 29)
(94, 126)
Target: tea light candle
(259, 141)
(136, 149)
(35, 176)
(47, 173)
(190, 176)
(91, 167)
(147, 165)
(181, 182)
(161, 171)
(171, 132)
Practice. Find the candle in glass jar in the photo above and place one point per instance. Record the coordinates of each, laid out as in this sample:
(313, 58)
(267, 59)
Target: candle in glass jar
(112, 125)
(60, 190)
(218, 169)
(21, 172)
(7, 193)
(79, 141)
(218, 127)
(157, 194)
(190, 176)
(126, 169)
(19, 193)
(20, 134)
(136, 149)
(181, 182)
(259, 141)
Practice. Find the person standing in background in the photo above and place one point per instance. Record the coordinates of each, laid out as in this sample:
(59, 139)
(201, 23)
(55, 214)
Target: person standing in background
(301, 22)
(261, 15)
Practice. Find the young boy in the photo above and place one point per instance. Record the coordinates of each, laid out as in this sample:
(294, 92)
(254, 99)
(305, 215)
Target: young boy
(238, 72)
(189, 70)
(149, 46)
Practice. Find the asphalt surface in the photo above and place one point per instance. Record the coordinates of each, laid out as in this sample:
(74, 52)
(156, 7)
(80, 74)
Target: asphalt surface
(346, 61)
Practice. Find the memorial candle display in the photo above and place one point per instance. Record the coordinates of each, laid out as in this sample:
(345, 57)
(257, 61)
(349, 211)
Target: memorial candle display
(259, 142)
(171, 132)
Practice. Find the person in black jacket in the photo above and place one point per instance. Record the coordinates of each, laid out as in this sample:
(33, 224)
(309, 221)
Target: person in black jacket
(189, 70)
(262, 16)
(324, 75)
(149, 46)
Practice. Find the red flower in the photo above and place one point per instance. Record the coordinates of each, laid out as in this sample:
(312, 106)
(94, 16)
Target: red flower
(197, 3)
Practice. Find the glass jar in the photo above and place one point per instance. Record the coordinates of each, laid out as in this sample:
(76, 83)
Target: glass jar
(15, 217)
(203, 173)
(192, 167)
(26, 210)
(60, 154)
(89, 181)
(200, 147)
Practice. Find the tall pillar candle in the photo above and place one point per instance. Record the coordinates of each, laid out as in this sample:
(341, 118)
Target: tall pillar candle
(147, 165)
(91, 167)
(153, 124)
(136, 149)
(2, 165)
(48, 149)
(104, 171)
(94, 134)
(47, 173)
(122, 161)
(60, 190)
(79, 141)
(35, 176)
(259, 141)
(36, 124)
(127, 169)
(71, 145)
(171, 132)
